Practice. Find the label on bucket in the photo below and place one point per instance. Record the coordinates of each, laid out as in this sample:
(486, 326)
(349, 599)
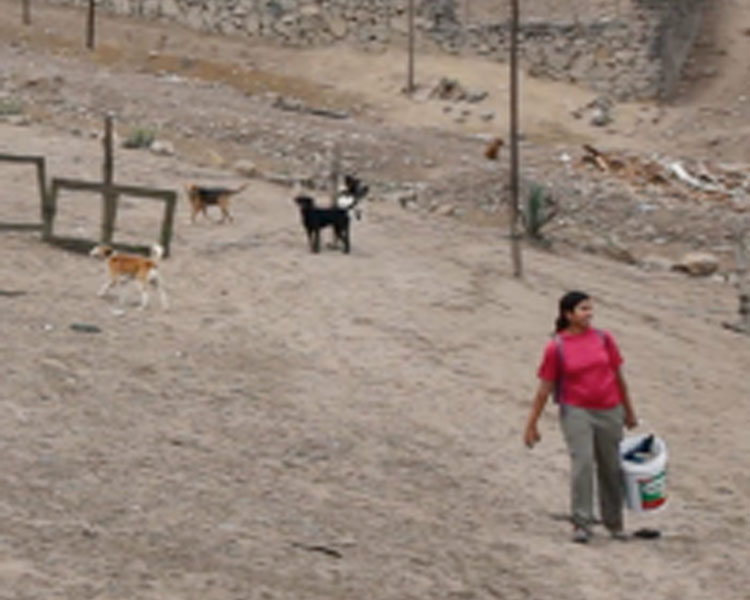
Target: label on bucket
(651, 491)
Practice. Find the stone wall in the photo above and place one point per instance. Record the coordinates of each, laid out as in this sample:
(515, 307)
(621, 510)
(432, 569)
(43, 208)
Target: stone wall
(637, 52)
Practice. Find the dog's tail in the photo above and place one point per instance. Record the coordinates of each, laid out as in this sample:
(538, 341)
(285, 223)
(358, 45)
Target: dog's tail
(157, 251)
(238, 190)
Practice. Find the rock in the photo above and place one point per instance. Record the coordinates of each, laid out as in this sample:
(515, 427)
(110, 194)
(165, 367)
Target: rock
(18, 120)
(601, 117)
(475, 97)
(245, 167)
(448, 89)
(406, 198)
(445, 210)
(654, 262)
(338, 27)
(162, 148)
(613, 248)
(215, 158)
(697, 264)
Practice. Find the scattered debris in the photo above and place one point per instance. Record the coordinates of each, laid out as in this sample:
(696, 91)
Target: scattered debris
(681, 174)
(700, 181)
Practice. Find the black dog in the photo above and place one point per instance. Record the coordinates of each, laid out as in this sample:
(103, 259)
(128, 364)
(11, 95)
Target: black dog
(314, 219)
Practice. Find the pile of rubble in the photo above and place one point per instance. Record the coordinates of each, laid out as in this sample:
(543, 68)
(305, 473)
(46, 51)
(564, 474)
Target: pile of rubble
(702, 181)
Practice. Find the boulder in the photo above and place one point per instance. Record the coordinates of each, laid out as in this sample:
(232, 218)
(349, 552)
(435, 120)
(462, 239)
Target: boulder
(697, 264)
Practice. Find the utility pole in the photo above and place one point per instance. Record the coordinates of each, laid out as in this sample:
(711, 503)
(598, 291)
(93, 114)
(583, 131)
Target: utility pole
(514, 166)
(91, 25)
(410, 69)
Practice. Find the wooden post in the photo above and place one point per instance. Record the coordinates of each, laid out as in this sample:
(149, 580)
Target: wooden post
(109, 214)
(27, 12)
(334, 173)
(410, 66)
(50, 210)
(46, 209)
(90, 25)
(514, 163)
(743, 276)
(167, 224)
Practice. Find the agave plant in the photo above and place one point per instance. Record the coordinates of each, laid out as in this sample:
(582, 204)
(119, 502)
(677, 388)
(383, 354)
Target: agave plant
(539, 209)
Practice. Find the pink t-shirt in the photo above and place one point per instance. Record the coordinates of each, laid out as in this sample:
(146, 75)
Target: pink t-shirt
(589, 369)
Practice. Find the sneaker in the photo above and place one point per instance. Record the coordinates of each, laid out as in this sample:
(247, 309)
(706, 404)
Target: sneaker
(581, 535)
(619, 535)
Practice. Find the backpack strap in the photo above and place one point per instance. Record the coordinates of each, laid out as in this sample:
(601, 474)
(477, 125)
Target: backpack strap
(560, 367)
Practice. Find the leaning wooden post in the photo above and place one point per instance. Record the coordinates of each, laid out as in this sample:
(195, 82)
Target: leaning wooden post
(90, 25)
(514, 164)
(109, 213)
(27, 12)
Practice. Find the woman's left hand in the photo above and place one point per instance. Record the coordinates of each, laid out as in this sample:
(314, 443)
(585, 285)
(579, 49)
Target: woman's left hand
(631, 421)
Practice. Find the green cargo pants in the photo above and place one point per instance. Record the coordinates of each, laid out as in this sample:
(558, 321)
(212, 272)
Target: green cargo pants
(593, 439)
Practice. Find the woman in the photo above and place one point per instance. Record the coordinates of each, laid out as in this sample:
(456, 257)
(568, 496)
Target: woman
(582, 366)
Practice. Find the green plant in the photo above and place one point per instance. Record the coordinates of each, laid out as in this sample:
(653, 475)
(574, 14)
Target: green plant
(539, 209)
(140, 138)
(10, 106)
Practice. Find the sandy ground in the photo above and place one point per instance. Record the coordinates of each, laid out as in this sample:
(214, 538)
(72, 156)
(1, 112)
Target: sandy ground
(304, 427)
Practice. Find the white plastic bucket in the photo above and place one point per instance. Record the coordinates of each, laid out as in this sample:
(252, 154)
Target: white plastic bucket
(645, 482)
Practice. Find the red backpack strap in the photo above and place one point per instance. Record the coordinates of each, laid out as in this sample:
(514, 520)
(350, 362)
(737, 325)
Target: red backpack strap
(607, 343)
(560, 367)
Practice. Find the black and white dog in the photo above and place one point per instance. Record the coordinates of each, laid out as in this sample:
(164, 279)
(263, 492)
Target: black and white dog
(315, 218)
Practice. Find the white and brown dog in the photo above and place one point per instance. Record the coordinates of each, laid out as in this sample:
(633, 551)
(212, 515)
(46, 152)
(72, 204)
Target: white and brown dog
(141, 269)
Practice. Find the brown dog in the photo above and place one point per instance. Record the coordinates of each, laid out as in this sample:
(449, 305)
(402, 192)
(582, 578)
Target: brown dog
(492, 150)
(142, 270)
(202, 197)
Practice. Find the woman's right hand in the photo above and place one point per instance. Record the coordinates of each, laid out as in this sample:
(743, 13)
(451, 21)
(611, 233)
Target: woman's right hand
(531, 435)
